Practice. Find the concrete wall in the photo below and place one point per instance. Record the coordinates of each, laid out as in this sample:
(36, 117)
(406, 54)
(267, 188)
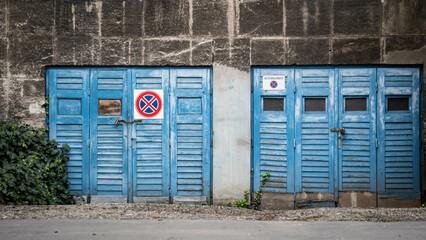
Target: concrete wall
(230, 35)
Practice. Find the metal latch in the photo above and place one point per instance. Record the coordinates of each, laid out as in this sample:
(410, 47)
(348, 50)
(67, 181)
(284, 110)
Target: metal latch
(341, 132)
(117, 122)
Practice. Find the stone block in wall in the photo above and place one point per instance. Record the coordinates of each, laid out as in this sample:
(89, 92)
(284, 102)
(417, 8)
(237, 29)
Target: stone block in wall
(34, 88)
(357, 17)
(64, 51)
(202, 52)
(135, 51)
(221, 51)
(73, 51)
(405, 50)
(29, 54)
(356, 51)
(166, 52)
(17, 109)
(3, 57)
(27, 107)
(403, 43)
(112, 18)
(2, 18)
(234, 53)
(133, 14)
(122, 18)
(210, 17)
(308, 51)
(267, 52)
(404, 17)
(31, 17)
(307, 18)
(75, 18)
(261, 18)
(114, 51)
(3, 100)
(166, 18)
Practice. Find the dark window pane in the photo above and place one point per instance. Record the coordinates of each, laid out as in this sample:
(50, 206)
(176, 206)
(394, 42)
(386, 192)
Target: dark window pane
(273, 104)
(314, 104)
(398, 104)
(110, 107)
(355, 104)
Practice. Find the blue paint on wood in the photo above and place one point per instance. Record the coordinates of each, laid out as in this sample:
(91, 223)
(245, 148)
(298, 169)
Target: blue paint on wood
(108, 158)
(71, 125)
(390, 167)
(133, 160)
(190, 104)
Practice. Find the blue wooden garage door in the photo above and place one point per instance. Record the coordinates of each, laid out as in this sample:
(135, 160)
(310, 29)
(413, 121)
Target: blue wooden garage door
(352, 129)
(116, 159)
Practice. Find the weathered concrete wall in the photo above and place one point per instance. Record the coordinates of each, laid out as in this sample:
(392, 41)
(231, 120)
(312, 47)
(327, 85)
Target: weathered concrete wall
(230, 35)
(231, 139)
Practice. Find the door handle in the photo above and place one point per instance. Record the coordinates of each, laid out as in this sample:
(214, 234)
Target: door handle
(117, 122)
(341, 131)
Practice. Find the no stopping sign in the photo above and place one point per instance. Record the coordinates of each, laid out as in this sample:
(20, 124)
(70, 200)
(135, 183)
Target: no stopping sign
(148, 104)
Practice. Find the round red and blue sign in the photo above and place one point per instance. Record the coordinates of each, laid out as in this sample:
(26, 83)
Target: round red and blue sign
(148, 104)
(273, 84)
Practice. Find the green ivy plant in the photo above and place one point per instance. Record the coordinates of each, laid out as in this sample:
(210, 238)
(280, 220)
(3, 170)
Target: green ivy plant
(32, 168)
(255, 204)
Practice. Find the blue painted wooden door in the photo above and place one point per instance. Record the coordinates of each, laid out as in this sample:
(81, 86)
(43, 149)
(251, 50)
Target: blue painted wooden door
(273, 131)
(108, 141)
(399, 132)
(68, 121)
(357, 116)
(190, 141)
(150, 141)
(376, 111)
(314, 117)
(148, 160)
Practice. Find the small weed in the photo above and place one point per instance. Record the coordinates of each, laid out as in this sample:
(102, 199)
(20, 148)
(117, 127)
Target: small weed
(255, 204)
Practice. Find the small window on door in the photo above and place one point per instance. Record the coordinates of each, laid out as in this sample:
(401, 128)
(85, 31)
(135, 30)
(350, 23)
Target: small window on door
(358, 104)
(398, 104)
(110, 107)
(315, 104)
(273, 104)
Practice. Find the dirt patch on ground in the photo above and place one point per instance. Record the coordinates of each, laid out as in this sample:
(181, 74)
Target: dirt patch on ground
(194, 212)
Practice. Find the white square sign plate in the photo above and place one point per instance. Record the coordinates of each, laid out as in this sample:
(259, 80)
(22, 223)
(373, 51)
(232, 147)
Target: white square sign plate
(273, 82)
(148, 104)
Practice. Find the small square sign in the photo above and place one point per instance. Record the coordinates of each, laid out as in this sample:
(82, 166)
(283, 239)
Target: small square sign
(148, 104)
(273, 82)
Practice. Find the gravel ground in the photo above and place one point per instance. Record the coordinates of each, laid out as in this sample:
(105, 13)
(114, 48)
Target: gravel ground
(194, 212)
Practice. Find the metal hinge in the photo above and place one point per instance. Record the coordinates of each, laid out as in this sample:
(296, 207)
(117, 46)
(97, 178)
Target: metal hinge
(251, 87)
(377, 87)
(88, 143)
(294, 89)
(377, 143)
(170, 143)
(421, 116)
(89, 91)
(211, 91)
(294, 142)
(169, 92)
(211, 142)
